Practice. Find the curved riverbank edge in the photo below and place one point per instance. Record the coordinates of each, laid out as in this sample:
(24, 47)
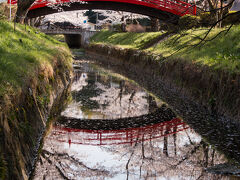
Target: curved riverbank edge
(187, 89)
(161, 115)
(218, 90)
(24, 118)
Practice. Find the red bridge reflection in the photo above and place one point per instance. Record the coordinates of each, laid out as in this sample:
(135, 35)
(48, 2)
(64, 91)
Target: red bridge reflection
(111, 137)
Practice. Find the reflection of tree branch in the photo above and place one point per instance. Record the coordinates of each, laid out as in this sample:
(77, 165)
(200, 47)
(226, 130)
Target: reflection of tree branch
(61, 173)
(200, 176)
(131, 100)
(130, 158)
(44, 152)
(128, 163)
(213, 154)
(44, 156)
(205, 151)
(91, 169)
(165, 144)
(132, 96)
(189, 138)
(189, 154)
(143, 154)
(140, 174)
(56, 155)
(192, 173)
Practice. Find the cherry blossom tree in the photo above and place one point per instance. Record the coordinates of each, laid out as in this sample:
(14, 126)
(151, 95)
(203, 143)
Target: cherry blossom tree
(98, 17)
(24, 5)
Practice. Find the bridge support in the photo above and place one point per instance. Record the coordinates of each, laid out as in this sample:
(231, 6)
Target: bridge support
(73, 40)
(76, 39)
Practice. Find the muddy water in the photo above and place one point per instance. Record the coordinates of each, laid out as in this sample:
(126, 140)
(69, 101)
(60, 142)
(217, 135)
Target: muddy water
(114, 129)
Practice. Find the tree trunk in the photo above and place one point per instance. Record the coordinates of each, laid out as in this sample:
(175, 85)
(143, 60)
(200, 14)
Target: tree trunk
(38, 21)
(154, 24)
(22, 10)
(220, 14)
(213, 4)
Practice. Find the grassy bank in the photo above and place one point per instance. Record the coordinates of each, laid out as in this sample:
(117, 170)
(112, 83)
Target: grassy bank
(23, 54)
(35, 70)
(125, 40)
(218, 52)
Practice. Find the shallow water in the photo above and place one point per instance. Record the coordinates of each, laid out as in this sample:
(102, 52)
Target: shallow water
(114, 129)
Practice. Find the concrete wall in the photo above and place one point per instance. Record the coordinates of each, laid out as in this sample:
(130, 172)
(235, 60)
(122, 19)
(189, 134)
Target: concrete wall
(79, 40)
(86, 35)
(73, 40)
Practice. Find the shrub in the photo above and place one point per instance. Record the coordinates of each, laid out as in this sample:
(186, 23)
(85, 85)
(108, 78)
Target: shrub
(2, 15)
(232, 18)
(171, 28)
(4, 11)
(206, 19)
(135, 28)
(189, 22)
(117, 27)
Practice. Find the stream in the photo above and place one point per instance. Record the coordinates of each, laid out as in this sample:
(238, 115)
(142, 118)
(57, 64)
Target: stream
(114, 129)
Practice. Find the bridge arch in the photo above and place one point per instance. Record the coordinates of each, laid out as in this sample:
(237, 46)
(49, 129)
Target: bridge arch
(165, 10)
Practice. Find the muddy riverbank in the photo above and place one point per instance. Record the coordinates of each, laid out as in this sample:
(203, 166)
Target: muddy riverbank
(24, 118)
(216, 128)
(215, 89)
(113, 128)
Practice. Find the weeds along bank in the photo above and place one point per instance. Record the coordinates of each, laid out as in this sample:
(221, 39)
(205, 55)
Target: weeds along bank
(35, 71)
(209, 72)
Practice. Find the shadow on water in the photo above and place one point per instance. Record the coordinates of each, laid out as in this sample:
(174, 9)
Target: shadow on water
(114, 129)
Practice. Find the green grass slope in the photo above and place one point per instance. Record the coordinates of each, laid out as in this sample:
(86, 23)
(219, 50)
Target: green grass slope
(219, 51)
(23, 53)
(124, 39)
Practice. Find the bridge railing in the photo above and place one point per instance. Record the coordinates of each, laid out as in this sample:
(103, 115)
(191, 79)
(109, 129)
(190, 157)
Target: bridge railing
(112, 137)
(177, 7)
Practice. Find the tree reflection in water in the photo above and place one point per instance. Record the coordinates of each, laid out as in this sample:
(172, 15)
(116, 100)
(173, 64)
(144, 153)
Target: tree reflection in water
(97, 95)
(182, 156)
(158, 147)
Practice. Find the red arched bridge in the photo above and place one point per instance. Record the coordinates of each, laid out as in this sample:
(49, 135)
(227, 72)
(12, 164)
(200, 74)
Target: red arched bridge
(122, 136)
(161, 123)
(167, 10)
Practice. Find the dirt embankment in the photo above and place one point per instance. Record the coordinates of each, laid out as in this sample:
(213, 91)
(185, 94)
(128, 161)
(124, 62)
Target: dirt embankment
(24, 118)
(207, 100)
(216, 90)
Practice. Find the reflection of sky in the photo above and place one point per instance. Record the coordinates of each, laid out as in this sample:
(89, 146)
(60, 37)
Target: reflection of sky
(115, 157)
(96, 155)
(78, 85)
(112, 104)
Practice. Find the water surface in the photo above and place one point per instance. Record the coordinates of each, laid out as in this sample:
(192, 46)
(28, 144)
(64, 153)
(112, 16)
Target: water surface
(114, 129)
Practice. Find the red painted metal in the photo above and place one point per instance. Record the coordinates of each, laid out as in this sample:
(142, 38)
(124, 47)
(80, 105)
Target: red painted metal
(112, 137)
(12, 1)
(177, 7)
